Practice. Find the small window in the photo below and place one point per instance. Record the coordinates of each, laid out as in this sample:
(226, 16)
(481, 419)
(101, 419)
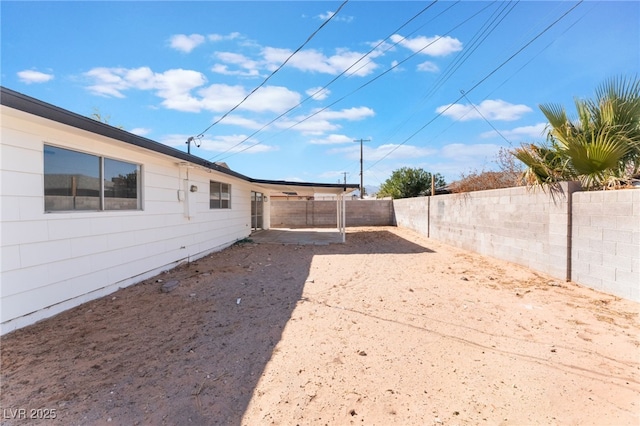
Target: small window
(219, 195)
(78, 181)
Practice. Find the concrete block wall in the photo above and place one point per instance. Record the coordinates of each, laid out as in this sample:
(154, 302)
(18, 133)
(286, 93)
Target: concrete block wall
(606, 241)
(526, 227)
(413, 213)
(323, 213)
(591, 238)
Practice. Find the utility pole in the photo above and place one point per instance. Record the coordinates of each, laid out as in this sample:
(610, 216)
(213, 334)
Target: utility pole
(345, 177)
(195, 140)
(361, 174)
(189, 145)
(433, 184)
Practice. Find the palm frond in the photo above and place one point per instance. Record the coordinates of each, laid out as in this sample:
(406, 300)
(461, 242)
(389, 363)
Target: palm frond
(601, 147)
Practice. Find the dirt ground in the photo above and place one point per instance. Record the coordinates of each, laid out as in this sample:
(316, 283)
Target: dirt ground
(389, 328)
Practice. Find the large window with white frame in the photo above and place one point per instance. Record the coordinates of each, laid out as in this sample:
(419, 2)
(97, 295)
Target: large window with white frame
(76, 180)
(219, 195)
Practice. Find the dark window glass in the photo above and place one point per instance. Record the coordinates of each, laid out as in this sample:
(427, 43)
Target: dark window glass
(225, 196)
(75, 181)
(71, 180)
(219, 195)
(120, 185)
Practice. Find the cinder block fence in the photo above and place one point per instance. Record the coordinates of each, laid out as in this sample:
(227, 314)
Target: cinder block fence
(591, 238)
(322, 213)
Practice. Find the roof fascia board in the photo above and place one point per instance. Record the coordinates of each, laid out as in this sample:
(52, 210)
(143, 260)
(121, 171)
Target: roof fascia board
(27, 104)
(48, 111)
(305, 184)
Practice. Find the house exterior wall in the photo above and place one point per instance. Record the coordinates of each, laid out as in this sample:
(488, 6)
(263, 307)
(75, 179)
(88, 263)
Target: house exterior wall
(606, 241)
(51, 262)
(303, 213)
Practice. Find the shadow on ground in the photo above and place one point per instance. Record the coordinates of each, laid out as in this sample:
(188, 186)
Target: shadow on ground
(190, 356)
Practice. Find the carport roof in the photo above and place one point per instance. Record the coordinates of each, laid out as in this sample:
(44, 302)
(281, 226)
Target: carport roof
(303, 189)
(21, 102)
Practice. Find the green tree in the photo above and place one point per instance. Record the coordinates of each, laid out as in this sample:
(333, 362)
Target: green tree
(600, 148)
(409, 182)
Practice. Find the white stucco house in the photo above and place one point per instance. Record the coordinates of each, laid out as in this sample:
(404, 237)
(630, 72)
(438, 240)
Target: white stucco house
(87, 208)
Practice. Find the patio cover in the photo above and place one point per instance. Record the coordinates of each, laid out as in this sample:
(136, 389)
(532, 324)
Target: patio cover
(306, 189)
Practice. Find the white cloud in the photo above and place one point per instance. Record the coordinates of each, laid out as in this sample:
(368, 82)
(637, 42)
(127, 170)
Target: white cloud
(318, 93)
(220, 37)
(312, 60)
(400, 151)
(140, 131)
(175, 87)
(387, 151)
(351, 114)
(31, 76)
(108, 81)
(222, 97)
(519, 133)
(237, 120)
(186, 43)
(463, 152)
(312, 126)
(396, 68)
(432, 46)
(333, 175)
(224, 70)
(323, 121)
(457, 158)
(276, 99)
(491, 109)
(332, 139)
(223, 143)
(249, 67)
(428, 66)
(329, 14)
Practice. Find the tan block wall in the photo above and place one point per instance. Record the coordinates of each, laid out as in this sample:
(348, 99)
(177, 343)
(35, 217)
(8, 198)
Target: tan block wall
(302, 213)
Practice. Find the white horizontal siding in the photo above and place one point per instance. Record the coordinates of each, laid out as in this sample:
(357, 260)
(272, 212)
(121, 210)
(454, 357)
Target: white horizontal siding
(54, 261)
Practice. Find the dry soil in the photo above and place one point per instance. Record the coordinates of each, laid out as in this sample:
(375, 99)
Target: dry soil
(389, 328)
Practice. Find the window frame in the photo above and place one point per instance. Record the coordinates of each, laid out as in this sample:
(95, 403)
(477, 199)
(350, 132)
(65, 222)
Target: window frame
(224, 197)
(102, 204)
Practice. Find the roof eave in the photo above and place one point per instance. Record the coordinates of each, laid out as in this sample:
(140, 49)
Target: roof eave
(27, 104)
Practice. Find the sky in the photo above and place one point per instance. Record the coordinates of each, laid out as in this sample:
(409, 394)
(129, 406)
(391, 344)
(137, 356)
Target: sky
(287, 90)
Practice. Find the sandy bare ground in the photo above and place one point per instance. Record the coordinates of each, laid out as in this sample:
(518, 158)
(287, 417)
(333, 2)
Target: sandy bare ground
(390, 328)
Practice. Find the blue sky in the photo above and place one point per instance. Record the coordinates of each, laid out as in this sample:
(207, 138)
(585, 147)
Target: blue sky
(430, 82)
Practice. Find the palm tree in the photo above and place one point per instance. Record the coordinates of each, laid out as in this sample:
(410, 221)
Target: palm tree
(601, 148)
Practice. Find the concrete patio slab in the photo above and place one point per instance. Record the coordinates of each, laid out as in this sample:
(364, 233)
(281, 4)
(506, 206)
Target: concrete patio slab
(299, 236)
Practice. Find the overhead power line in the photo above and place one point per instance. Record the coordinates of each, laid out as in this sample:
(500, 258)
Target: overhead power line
(201, 134)
(388, 70)
(487, 28)
(328, 84)
(485, 118)
(480, 82)
(473, 45)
